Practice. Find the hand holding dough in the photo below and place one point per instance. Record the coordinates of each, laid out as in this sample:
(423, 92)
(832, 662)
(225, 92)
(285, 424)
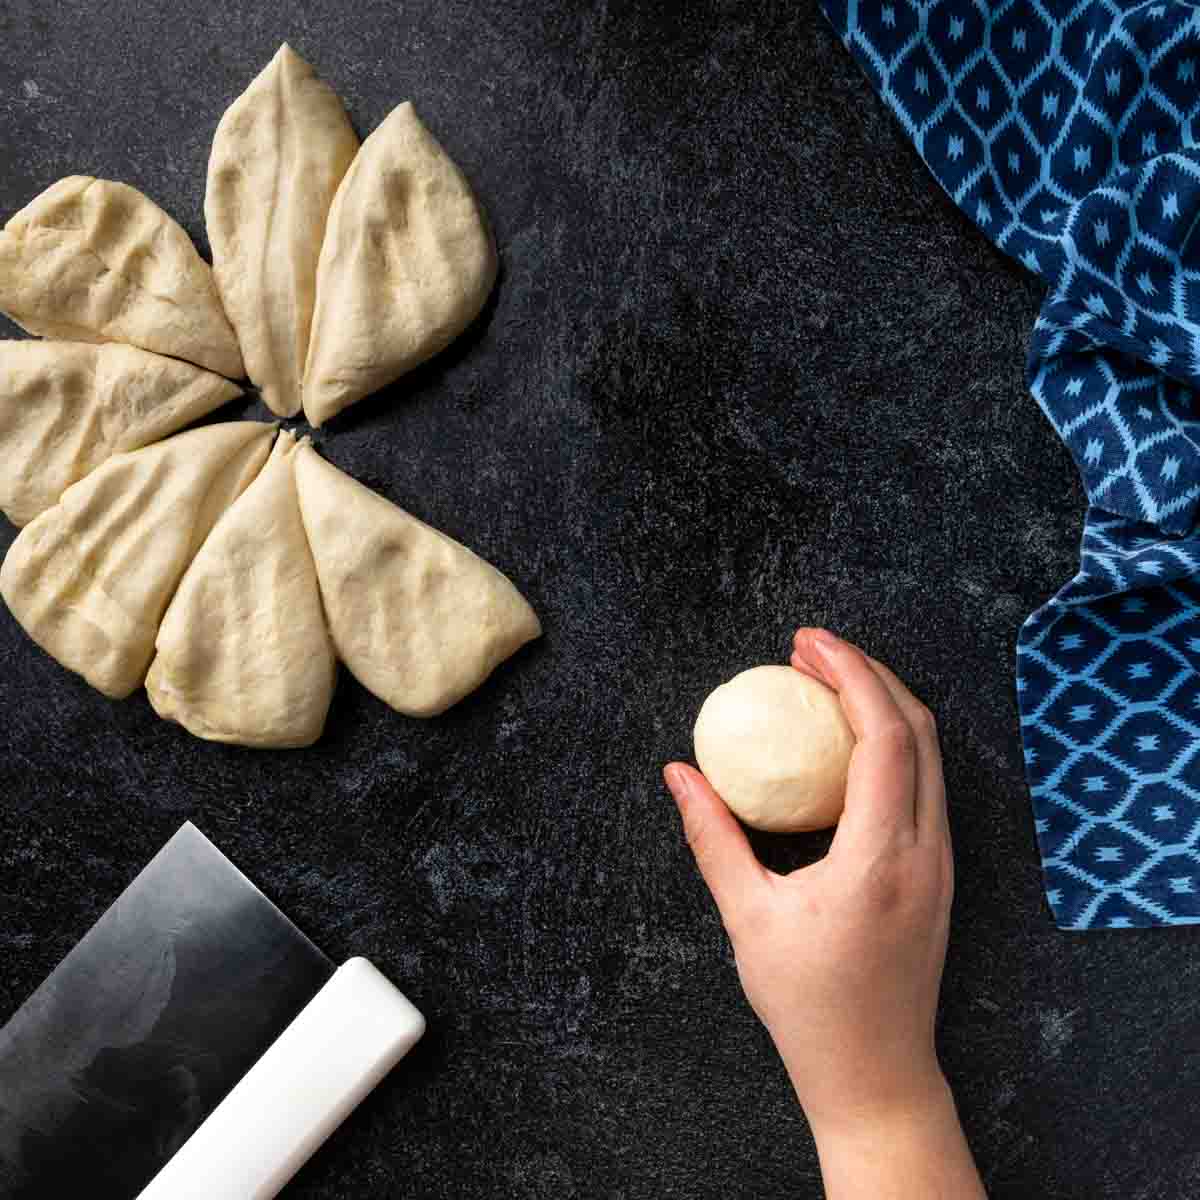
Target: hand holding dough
(406, 266)
(93, 261)
(243, 652)
(418, 619)
(90, 578)
(67, 406)
(776, 748)
(279, 153)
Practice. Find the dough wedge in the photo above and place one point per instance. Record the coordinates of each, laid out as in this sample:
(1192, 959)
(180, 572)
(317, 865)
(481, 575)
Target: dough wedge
(278, 155)
(420, 620)
(90, 579)
(243, 653)
(90, 260)
(407, 263)
(65, 407)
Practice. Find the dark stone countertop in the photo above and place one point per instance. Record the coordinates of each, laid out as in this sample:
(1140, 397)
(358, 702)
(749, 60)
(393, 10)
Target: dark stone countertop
(746, 367)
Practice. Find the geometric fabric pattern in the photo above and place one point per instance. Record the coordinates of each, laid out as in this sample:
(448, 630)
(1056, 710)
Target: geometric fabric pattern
(1070, 134)
(1108, 679)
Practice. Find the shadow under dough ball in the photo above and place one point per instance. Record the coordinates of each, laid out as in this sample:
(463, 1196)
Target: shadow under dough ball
(776, 747)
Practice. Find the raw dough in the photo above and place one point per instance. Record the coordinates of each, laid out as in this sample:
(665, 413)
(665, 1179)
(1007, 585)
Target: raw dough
(418, 619)
(278, 155)
(407, 264)
(776, 748)
(243, 652)
(91, 577)
(67, 406)
(94, 261)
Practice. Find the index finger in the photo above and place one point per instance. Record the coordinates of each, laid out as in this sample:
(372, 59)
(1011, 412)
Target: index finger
(882, 782)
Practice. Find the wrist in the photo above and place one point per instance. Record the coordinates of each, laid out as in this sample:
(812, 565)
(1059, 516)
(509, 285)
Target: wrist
(894, 1112)
(913, 1148)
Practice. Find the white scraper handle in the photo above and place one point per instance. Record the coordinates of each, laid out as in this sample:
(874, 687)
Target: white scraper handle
(345, 1040)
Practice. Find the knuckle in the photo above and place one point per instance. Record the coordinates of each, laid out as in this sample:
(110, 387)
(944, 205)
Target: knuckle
(946, 875)
(898, 739)
(703, 843)
(925, 722)
(907, 881)
(883, 885)
(698, 838)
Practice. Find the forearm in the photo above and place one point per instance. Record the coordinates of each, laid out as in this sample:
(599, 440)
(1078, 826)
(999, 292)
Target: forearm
(916, 1154)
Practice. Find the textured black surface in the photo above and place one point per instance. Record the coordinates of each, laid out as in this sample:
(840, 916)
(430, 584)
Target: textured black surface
(137, 1035)
(745, 367)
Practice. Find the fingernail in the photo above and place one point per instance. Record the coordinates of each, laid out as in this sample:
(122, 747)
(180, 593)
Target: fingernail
(677, 782)
(825, 642)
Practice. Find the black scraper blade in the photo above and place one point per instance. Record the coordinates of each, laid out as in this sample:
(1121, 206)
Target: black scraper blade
(143, 1028)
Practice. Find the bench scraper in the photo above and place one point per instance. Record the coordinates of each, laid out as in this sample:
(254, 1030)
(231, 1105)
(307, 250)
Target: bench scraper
(194, 1043)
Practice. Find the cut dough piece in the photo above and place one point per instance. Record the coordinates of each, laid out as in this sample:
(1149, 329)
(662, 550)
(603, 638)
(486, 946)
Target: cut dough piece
(279, 153)
(776, 748)
(67, 406)
(91, 577)
(244, 655)
(418, 619)
(94, 261)
(407, 264)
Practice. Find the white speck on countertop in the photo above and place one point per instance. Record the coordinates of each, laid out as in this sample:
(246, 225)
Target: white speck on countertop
(30, 89)
(1057, 1030)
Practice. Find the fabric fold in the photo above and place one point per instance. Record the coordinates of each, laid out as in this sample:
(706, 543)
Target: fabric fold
(1064, 131)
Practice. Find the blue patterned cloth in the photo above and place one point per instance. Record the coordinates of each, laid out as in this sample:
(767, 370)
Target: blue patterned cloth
(1070, 134)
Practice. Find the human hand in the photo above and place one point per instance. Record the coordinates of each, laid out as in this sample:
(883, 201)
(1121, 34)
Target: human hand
(842, 960)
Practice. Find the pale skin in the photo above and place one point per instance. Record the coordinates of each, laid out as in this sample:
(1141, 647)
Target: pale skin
(842, 960)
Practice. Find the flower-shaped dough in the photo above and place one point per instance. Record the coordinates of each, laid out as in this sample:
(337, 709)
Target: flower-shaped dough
(66, 406)
(228, 587)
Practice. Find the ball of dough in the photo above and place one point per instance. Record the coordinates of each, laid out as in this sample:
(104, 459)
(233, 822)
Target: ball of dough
(776, 747)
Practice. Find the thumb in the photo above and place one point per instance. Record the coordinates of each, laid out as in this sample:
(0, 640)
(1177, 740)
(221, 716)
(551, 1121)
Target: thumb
(718, 842)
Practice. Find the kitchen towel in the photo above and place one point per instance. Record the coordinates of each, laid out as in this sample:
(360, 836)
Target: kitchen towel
(1068, 132)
